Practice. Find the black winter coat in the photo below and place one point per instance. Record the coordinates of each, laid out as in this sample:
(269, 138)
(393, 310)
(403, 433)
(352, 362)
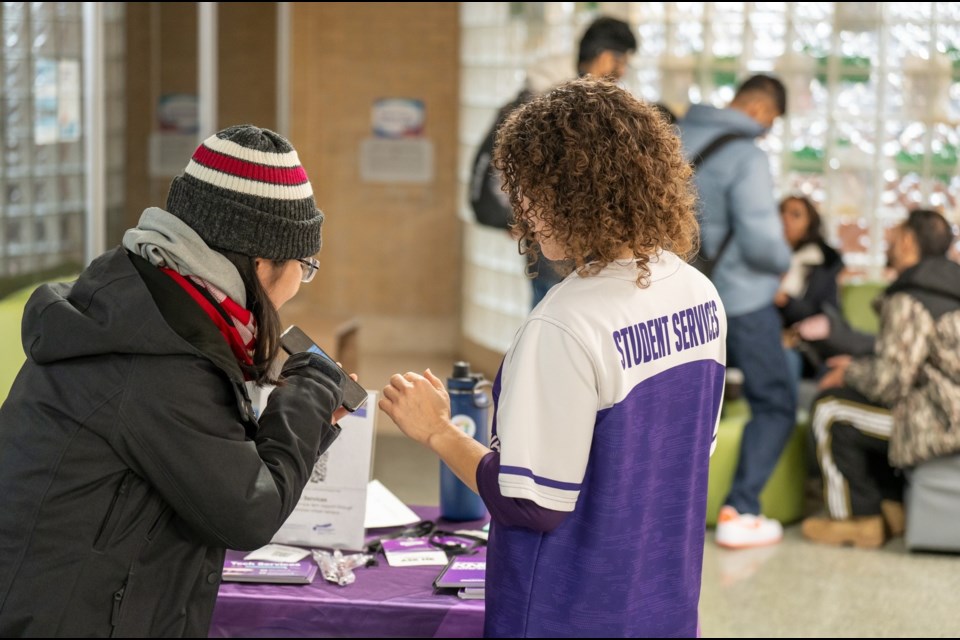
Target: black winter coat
(821, 289)
(130, 458)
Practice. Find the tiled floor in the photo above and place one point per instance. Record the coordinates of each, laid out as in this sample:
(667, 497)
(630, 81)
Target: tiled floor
(789, 590)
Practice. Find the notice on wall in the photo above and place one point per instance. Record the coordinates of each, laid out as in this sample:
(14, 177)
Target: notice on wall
(68, 100)
(169, 152)
(331, 510)
(407, 161)
(46, 130)
(398, 152)
(175, 138)
(396, 118)
(56, 101)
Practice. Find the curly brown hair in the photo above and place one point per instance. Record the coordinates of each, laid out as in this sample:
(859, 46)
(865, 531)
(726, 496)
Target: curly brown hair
(604, 173)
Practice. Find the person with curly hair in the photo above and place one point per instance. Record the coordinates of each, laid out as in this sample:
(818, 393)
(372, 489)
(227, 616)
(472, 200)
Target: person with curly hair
(608, 400)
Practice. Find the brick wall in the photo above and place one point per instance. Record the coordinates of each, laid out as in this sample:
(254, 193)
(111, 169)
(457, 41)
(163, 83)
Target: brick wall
(391, 253)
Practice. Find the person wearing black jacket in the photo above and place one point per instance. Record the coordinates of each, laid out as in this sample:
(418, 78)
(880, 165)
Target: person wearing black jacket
(811, 282)
(810, 285)
(130, 455)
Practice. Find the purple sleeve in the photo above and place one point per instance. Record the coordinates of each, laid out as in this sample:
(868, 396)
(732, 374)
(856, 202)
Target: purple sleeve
(512, 512)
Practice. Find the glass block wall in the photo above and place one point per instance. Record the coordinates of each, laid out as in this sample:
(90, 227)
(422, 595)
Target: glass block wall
(872, 124)
(42, 207)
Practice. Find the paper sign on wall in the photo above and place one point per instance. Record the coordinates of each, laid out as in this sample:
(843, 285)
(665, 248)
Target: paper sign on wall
(56, 101)
(68, 109)
(331, 510)
(396, 118)
(46, 129)
(407, 161)
(175, 138)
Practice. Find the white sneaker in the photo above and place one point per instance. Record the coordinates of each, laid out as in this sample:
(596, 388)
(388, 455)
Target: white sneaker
(736, 531)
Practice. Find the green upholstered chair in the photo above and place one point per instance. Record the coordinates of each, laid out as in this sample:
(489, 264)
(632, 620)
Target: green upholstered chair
(11, 349)
(856, 302)
(782, 498)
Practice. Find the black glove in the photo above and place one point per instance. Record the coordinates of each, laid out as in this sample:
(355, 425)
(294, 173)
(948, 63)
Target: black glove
(322, 370)
(299, 362)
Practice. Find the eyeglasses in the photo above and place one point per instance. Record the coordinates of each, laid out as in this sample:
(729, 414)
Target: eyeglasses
(309, 266)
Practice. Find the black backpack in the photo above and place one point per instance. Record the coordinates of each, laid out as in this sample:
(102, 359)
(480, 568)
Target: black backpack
(490, 205)
(704, 264)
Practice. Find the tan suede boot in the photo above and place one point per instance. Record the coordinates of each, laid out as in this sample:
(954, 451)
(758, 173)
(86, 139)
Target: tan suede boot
(866, 532)
(894, 517)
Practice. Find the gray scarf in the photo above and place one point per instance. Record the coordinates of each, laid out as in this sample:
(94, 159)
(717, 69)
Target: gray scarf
(165, 240)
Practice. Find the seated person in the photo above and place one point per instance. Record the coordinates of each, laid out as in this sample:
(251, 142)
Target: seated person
(899, 406)
(810, 285)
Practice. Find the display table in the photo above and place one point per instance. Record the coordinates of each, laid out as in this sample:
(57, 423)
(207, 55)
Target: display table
(384, 601)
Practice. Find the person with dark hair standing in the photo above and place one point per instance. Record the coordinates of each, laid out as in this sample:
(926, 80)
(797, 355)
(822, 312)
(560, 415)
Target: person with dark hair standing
(607, 402)
(742, 240)
(898, 406)
(130, 455)
(604, 51)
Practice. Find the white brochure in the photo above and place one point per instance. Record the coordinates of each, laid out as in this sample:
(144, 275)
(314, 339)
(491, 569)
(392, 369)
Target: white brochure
(331, 510)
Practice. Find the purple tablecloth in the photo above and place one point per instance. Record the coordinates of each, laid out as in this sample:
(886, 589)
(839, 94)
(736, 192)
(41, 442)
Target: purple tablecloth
(385, 601)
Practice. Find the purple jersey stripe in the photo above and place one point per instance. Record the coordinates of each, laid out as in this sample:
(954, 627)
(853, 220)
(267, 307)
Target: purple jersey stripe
(512, 512)
(543, 482)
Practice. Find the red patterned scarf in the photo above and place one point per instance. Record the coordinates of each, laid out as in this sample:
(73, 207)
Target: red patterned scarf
(236, 324)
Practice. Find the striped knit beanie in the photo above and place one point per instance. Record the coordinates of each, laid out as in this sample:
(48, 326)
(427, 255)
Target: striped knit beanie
(245, 191)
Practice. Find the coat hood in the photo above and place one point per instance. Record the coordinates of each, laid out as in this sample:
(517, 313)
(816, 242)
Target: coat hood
(108, 309)
(938, 276)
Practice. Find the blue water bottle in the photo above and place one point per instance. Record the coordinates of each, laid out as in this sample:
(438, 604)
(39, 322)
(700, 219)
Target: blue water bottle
(469, 405)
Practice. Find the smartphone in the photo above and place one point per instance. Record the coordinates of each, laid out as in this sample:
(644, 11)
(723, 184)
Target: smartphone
(294, 340)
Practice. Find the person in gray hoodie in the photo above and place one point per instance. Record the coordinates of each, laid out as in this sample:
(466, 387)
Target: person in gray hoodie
(742, 236)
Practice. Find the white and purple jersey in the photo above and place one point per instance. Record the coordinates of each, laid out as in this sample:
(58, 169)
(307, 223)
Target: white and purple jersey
(606, 407)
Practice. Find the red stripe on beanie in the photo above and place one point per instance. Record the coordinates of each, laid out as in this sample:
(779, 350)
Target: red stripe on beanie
(289, 176)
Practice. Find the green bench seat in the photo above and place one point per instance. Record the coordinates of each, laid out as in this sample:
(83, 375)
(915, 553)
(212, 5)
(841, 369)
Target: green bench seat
(11, 348)
(782, 498)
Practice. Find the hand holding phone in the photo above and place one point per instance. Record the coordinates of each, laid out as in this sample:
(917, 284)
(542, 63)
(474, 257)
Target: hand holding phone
(294, 340)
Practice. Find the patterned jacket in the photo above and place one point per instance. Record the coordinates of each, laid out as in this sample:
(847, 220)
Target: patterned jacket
(915, 368)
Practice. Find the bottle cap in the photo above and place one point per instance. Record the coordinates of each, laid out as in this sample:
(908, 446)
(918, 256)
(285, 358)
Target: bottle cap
(461, 369)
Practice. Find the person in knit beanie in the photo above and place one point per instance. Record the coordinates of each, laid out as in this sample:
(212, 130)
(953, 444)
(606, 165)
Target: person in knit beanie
(130, 454)
(245, 191)
(243, 206)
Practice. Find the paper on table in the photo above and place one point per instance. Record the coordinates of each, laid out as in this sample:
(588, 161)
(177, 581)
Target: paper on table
(413, 552)
(332, 507)
(385, 509)
(278, 553)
